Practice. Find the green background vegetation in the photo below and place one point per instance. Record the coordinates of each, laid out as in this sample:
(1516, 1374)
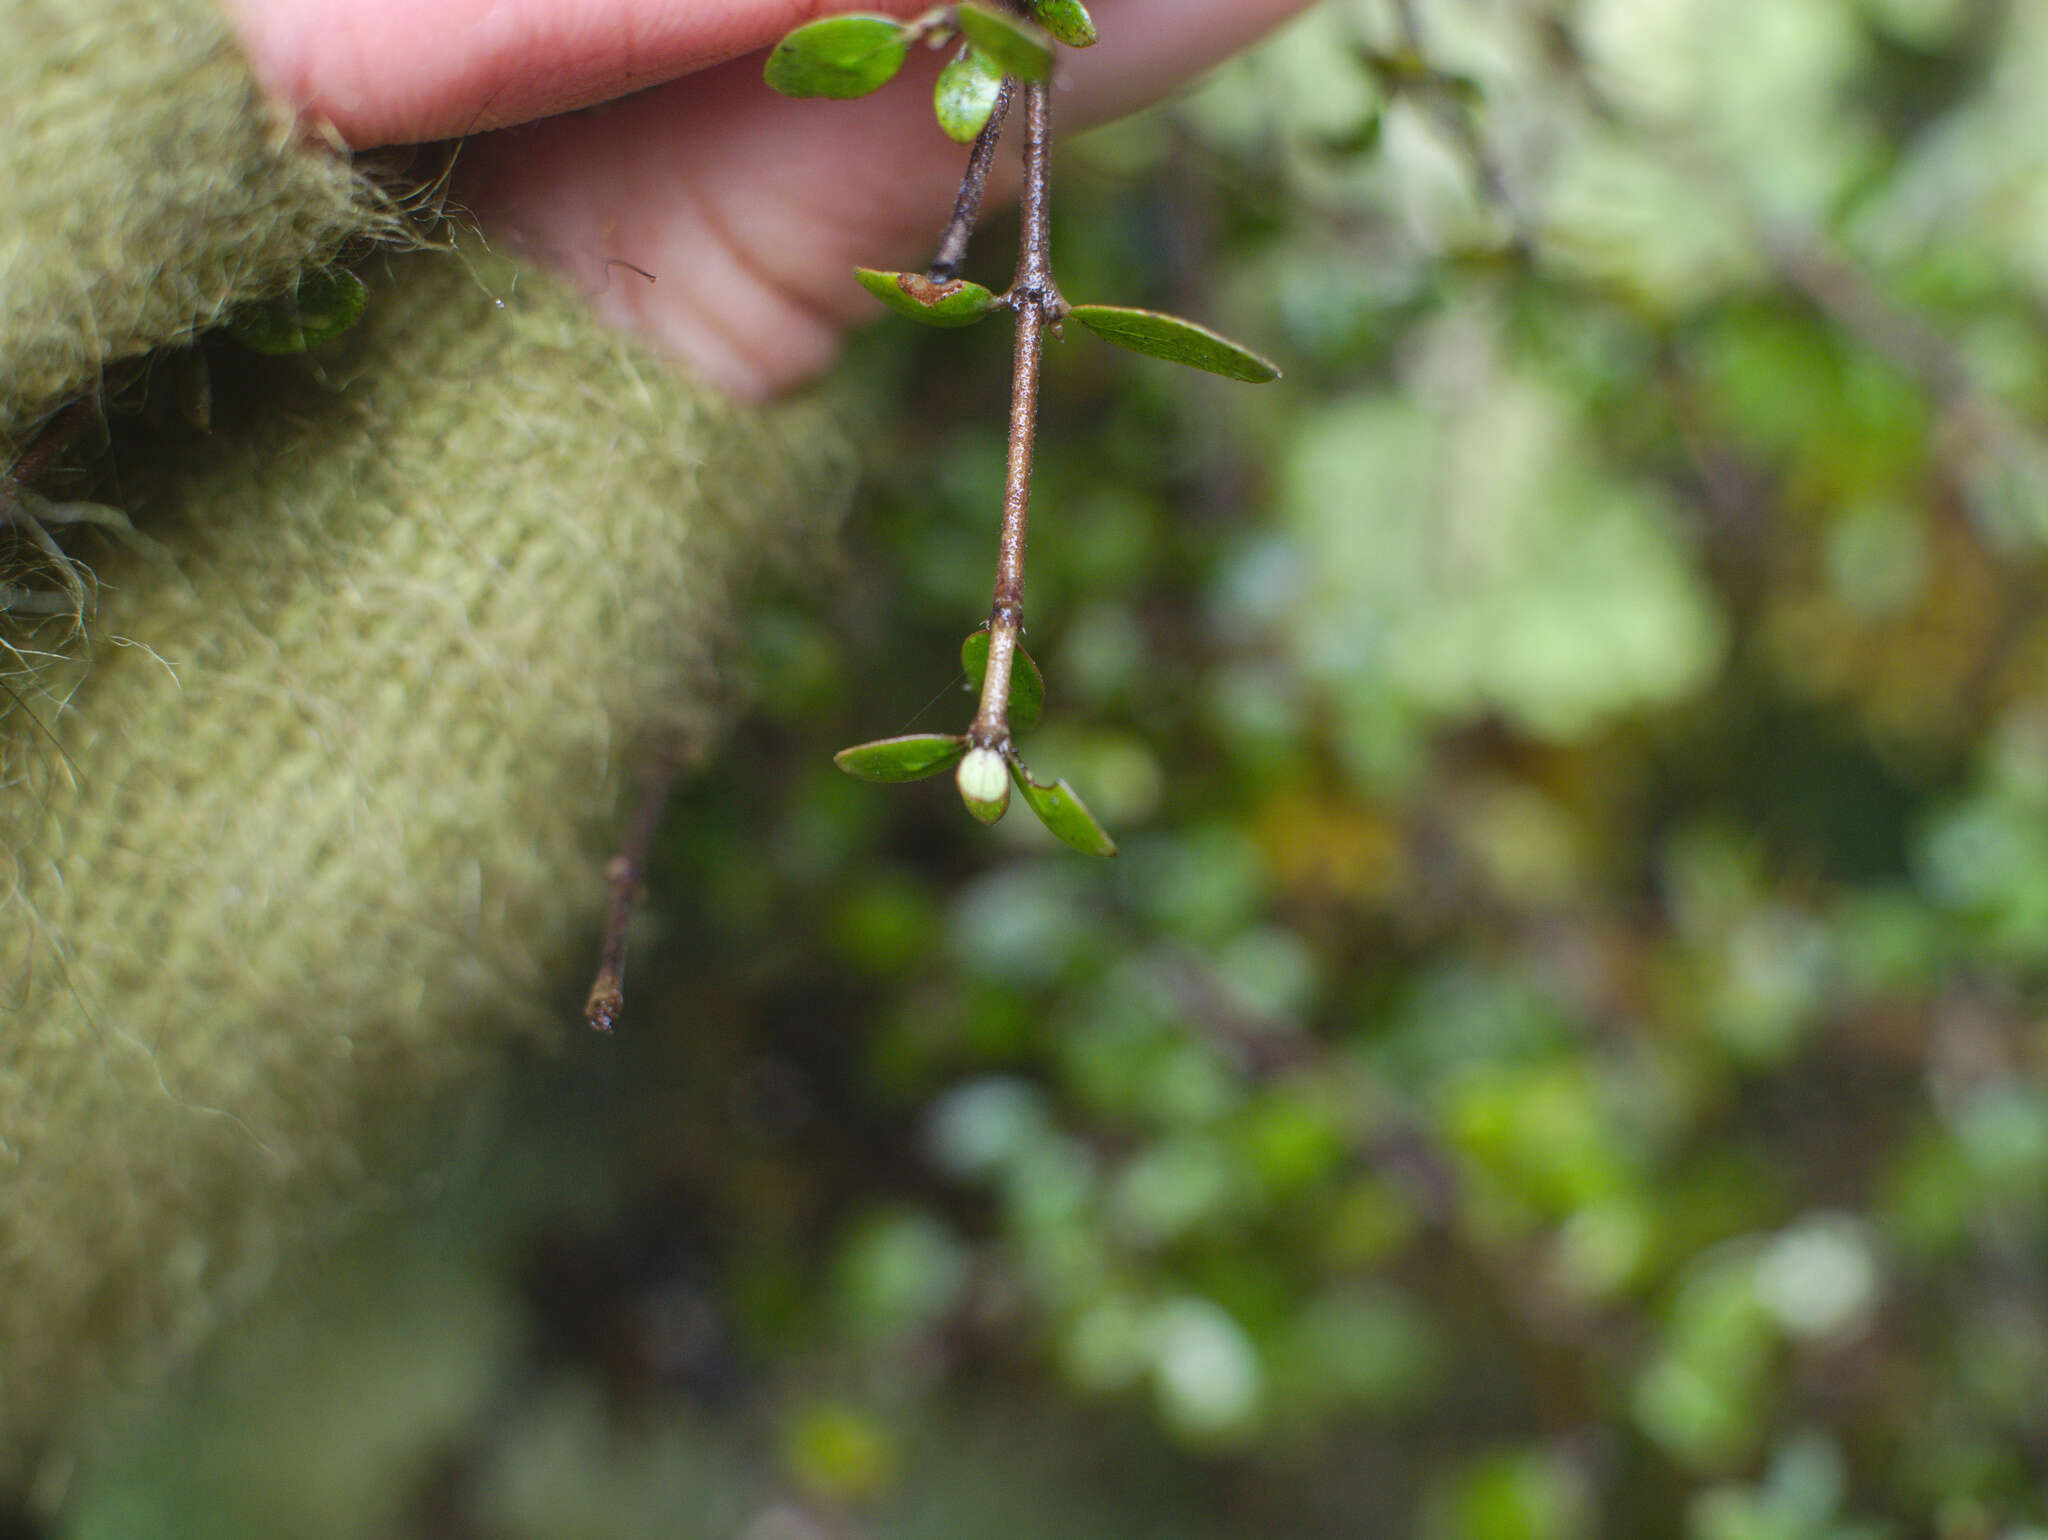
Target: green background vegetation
(1562, 1050)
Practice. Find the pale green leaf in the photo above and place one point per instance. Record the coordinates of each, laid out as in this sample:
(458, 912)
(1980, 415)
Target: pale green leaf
(966, 94)
(1017, 47)
(1177, 341)
(909, 758)
(958, 303)
(840, 56)
(1066, 20)
(319, 309)
(1064, 813)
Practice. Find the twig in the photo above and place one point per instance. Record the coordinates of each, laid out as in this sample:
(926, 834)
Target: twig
(1455, 119)
(626, 872)
(1038, 304)
(1822, 272)
(1411, 24)
(973, 182)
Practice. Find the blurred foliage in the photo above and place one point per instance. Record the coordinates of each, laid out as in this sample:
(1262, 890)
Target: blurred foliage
(1562, 1050)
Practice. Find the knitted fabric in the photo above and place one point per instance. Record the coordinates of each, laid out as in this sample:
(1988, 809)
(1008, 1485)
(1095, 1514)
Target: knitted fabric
(144, 188)
(314, 812)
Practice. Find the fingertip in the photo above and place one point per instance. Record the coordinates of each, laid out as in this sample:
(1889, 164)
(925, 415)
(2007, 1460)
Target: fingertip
(1150, 47)
(399, 71)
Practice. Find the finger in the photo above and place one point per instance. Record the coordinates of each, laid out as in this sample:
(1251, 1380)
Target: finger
(1150, 47)
(400, 71)
(751, 209)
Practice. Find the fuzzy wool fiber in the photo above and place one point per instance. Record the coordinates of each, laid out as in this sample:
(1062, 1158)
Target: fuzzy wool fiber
(308, 819)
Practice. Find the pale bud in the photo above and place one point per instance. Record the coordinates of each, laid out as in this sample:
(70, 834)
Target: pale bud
(984, 782)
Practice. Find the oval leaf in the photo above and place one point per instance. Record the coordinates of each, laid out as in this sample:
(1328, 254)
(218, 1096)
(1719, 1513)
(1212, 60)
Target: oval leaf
(910, 758)
(1064, 813)
(840, 56)
(1027, 684)
(321, 308)
(1017, 47)
(958, 303)
(966, 94)
(1067, 20)
(1177, 341)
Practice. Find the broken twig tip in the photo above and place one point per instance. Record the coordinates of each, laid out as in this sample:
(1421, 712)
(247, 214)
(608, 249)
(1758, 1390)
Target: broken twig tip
(607, 1000)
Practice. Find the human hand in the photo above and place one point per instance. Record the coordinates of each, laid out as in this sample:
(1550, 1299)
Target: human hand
(750, 209)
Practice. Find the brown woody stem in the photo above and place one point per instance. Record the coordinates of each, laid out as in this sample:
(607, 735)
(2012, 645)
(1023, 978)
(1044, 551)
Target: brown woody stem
(967, 205)
(1037, 302)
(627, 873)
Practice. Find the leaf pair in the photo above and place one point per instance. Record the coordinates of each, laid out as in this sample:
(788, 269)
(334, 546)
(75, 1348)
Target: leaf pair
(320, 307)
(999, 47)
(917, 755)
(921, 755)
(984, 776)
(848, 56)
(961, 303)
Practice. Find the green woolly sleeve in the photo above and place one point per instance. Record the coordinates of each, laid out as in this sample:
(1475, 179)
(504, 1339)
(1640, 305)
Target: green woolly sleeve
(309, 811)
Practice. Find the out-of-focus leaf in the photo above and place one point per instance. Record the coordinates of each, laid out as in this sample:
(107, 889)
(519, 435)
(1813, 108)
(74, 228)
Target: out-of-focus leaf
(910, 758)
(841, 56)
(966, 94)
(840, 1454)
(1558, 596)
(1177, 341)
(1064, 813)
(1017, 47)
(1361, 139)
(321, 308)
(958, 303)
(1027, 684)
(1067, 20)
(898, 1272)
(1206, 1369)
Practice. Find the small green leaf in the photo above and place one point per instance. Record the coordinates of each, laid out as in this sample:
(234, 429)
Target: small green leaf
(984, 784)
(1017, 47)
(1067, 20)
(1177, 341)
(840, 56)
(910, 758)
(958, 303)
(1027, 684)
(966, 94)
(1064, 813)
(321, 308)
